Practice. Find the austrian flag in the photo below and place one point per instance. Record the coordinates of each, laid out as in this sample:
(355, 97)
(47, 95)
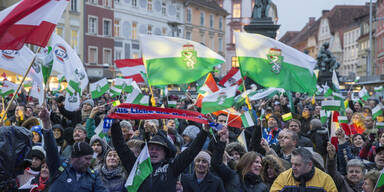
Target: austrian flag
(29, 21)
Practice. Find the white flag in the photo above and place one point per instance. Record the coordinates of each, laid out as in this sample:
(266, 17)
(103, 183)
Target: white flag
(72, 102)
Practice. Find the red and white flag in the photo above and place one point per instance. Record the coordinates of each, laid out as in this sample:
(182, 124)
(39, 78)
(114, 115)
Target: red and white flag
(233, 77)
(29, 21)
(132, 69)
(207, 88)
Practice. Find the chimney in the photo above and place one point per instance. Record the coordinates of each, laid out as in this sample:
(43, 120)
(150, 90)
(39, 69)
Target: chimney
(311, 20)
(325, 12)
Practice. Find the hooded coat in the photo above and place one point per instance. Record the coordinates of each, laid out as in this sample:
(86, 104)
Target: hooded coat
(113, 179)
(99, 160)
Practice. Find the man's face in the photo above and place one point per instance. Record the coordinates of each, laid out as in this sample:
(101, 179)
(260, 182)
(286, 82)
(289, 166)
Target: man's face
(82, 163)
(272, 123)
(317, 110)
(79, 135)
(56, 133)
(127, 133)
(299, 167)
(355, 174)
(87, 107)
(28, 112)
(358, 141)
(357, 106)
(36, 162)
(97, 147)
(368, 122)
(222, 119)
(293, 126)
(379, 160)
(201, 165)
(171, 124)
(349, 114)
(286, 141)
(156, 152)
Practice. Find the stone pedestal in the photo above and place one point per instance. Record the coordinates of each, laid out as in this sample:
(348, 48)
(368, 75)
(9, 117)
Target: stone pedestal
(263, 26)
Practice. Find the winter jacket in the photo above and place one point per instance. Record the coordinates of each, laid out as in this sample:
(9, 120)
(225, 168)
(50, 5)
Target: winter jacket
(165, 174)
(210, 183)
(344, 154)
(74, 116)
(114, 179)
(319, 138)
(304, 142)
(316, 181)
(232, 180)
(343, 185)
(67, 182)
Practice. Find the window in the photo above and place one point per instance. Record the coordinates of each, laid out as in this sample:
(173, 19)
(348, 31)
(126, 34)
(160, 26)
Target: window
(116, 28)
(178, 12)
(59, 31)
(202, 18)
(220, 44)
(134, 30)
(149, 7)
(107, 27)
(164, 31)
(134, 3)
(107, 55)
(149, 31)
(221, 23)
(213, 43)
(92, 55)
(74, 39)
(117, 54)
(107, 3)
(74, 5)
(117, 1)
(164, 9)
(189, 15)
(188, 35)
(233, 35)
(236, 13)
(93, 1)
(235, 61)
(92, 25)
(211, 21)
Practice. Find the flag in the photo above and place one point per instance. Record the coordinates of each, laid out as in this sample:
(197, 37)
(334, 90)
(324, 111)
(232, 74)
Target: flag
(319, 90)
(132, 69)
(233, 77)
(323, 116)
(7, 88)
(379, 125)
(269, 92)
(115, 91)
(337, 96)
(66, 60)
(247, 119)
(27, 84)
(37, 92)
(172, 60)
(271, 63)
(219, 100)
(99, 130)
(172, 104)
(140, 170)
(18, 61)
(125, 85)
(343, 119)
(61, 78)
(380, 181)
(378, 89)
(116, 103)
(357, 79)
(335, 81)
(136, 97)
(377, 111)
(287, 116)
(45, 59)
(98, 88)
(327, 91)
(331, 105)
(29, 21)
(72, 102)
(241, 139)
(234, 119)
(73, 87)
(363, 94)
(207, 88)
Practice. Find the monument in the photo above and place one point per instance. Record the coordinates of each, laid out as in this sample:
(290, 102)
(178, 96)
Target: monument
(326, 64)
(261, 23)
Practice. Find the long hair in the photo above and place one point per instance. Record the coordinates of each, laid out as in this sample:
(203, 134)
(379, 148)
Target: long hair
(272, 162)
(245, 163)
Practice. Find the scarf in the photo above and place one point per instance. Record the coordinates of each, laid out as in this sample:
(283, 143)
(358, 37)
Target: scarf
(110, 174)
(356, 187)
(32, 171)
(41, 185)
(252, 179)
(305, 177)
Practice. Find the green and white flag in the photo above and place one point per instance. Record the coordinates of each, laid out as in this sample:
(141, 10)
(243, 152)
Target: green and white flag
(335, 81)
(171, 60)
(287, 116)
(73, 87)
(331, 105)
(125, 85)
(61, 79)
(323, 116)
(377, 111)
(28, 84)
(271, 63)
(7, 88)
(247, 119)
(45, 59)
(172, 104)
(115, 91)
(72, 102)
(327, 90)
(379, 125)
(378, 89)
(99, 130)
(136, 97)
(342, 119)
(337, 96)
(319, 90)
(363, 94)
(140, 170)
(380, 181)
(222, 99)
(99, 88)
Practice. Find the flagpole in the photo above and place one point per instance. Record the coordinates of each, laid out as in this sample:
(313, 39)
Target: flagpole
(246, 95)
(18, 88)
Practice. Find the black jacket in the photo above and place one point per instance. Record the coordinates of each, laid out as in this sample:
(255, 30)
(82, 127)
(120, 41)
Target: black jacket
(165, 174)
(210, 183)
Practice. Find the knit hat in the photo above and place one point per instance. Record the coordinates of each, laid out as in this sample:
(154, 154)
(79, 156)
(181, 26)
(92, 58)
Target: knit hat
(38, 151)
(80, 149)
(58, 126)
(125, 123)
(81, 127)
(191, 131)
(37, 129)
(204, 155)
(89, 102)
(316, 123)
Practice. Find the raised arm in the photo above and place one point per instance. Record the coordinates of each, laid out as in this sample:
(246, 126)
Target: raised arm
(332, 167)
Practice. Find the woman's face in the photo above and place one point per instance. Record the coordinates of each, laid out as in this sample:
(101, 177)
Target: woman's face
(57, 133)
(340, 133)
(112, 159)
(271, 172)
(256, 166)
(44, 172)
(235, 155)
(368, 186)
(358, 141)
(36, 137)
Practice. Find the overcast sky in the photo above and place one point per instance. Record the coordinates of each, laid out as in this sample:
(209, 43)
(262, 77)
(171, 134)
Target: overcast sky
(293, 14)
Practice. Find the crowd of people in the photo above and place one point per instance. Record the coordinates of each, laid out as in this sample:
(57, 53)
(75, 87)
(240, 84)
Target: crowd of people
(67, 154)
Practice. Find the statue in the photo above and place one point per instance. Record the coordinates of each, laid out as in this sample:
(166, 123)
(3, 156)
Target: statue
(326, 62)
(261, 9)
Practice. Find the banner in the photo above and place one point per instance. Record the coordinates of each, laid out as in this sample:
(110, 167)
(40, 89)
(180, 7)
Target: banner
(133, 111)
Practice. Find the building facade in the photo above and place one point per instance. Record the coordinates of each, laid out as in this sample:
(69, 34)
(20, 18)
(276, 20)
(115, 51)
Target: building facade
(379, 36)
(362, 43)
(204, 22)
(98, 38)
(135, 17)
(350, 51)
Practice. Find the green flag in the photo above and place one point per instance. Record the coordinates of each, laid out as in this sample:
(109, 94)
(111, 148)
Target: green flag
(140, 170)
(98, 88)
(219, 100)
(45, 59)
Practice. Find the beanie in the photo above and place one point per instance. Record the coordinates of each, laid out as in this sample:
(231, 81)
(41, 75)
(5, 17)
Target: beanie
(316, 123)
(80, 149)
(126, 123)
(191, 131)
(38, 151)
(203, 155)
(89, 102)
(81, 127)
